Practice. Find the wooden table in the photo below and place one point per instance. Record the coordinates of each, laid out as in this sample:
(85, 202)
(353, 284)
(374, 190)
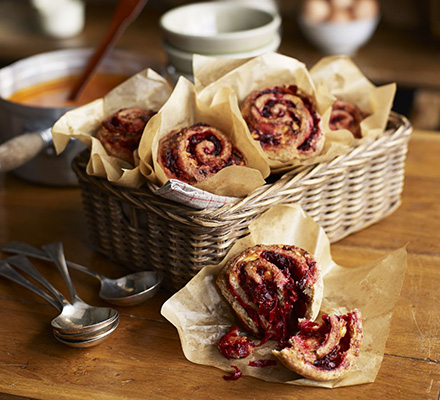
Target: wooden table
(142, 359)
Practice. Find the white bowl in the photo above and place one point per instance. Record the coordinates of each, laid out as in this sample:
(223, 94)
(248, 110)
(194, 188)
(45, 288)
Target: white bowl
(339, 38)
(268, 5)
(182, 60)
(219, 27)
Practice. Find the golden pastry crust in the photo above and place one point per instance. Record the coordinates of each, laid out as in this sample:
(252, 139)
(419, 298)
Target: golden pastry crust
(121, 133)
(270, 287)
(285, 122)
(193, 154)
(324, 351)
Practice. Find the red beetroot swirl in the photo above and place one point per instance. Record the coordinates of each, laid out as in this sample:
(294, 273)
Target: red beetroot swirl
(121, 133)
(235, 376)
(270, 287)
(195, 153)
(324, 351)
(233, 345)
(347, 115)
(262, 363)
(285, 122)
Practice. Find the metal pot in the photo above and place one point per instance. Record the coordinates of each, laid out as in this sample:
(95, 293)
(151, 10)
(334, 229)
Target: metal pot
(26, 129)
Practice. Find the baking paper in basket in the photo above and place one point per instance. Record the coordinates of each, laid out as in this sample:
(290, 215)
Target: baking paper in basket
(244, 77)
(146, 89)
(201, 314)
(184, 109)
(338, 76)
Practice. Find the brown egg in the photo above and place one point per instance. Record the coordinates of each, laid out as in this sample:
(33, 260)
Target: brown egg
(364, 9)
(338, 4)
(316, 10)
(341, 16)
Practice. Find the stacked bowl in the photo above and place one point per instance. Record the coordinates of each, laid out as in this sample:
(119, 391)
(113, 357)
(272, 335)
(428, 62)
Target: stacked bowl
(217, 29)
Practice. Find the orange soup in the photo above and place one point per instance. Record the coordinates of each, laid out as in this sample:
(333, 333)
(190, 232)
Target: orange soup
(55, 93)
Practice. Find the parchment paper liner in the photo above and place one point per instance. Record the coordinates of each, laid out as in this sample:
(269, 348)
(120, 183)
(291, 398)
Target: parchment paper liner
(202, 316)
(146, 89)
(338, 76)
(183, 109)
(245, 76)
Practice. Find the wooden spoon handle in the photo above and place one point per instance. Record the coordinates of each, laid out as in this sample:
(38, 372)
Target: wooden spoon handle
(125, 13)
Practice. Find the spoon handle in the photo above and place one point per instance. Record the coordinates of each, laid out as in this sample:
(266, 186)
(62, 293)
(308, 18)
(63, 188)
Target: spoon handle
(56, 253)
(25, 265)
(31, 251)
(10, 273)
(125, 13)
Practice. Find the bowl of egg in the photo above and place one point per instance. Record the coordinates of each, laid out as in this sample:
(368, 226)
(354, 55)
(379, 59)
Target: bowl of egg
(339, 27)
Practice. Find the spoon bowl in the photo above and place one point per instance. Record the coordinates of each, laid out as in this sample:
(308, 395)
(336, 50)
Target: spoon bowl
(80, 317)
(131, 289)
(87, 335)
(128, 290)
(69, 327)
(85, 342)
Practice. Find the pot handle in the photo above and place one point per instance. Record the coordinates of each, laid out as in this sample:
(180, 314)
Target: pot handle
(21, 149)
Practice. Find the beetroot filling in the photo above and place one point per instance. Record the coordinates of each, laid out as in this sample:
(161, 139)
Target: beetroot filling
(316, 120)
(265, 134)
(114, 124)
(232, 345)
(125, 128)
(237, 374)
(129, 142)
(200, 137)
(262, 363)
(337, 118)
(181, 150)
(282, 317)
(333, 359)
(134, 122)
(268, 138)
(170, 160)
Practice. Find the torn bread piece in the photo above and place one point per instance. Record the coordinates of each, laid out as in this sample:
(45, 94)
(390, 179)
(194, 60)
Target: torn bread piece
(270, 287)
(324, 351)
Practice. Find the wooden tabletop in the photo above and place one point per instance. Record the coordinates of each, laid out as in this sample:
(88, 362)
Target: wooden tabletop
(143, 359)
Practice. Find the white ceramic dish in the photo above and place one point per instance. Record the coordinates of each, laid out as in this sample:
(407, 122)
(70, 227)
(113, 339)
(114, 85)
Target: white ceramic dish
(219, 27)
(339, 38)
(182, 60)
(268, 5)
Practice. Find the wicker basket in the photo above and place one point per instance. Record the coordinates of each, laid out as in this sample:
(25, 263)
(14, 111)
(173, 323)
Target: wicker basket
(142, 231)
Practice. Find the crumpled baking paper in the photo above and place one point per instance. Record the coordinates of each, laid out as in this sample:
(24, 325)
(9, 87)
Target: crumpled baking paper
(246, 76)
(338, 76)
(184, 109)
(202, 316)
(147, 89)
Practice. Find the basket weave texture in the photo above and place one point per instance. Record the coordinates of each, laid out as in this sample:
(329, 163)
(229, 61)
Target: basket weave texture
(142, 231)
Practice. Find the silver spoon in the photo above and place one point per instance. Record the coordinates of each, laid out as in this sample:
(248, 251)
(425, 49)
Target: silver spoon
(86, 339)
(8, 272)
(93, 317)
(128, 290)
(77, 317)
(82, 338)
(87, 335)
